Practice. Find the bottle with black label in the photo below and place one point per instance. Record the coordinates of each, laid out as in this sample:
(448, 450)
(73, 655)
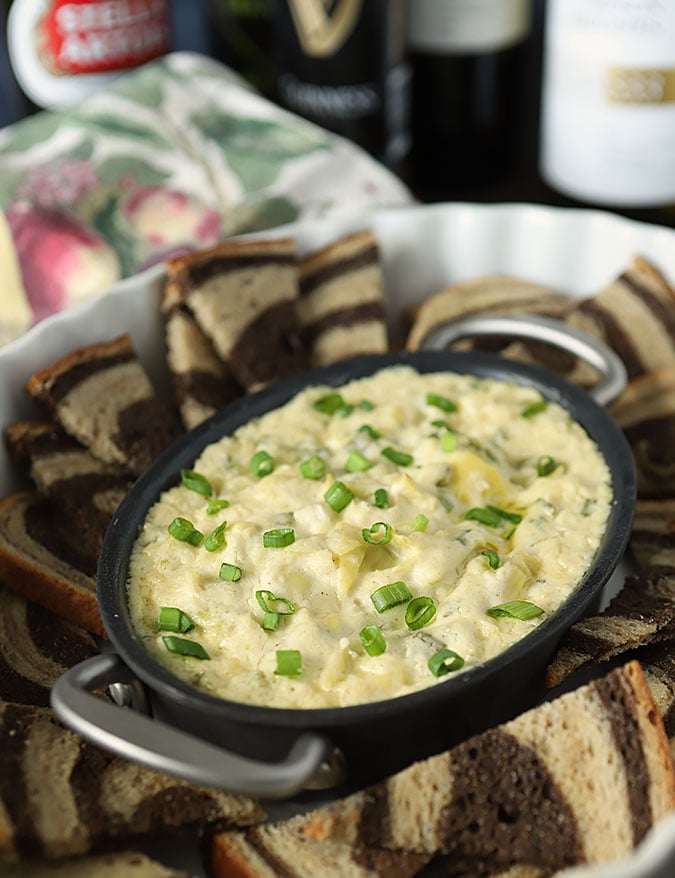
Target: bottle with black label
(340, 64)
(467, 61)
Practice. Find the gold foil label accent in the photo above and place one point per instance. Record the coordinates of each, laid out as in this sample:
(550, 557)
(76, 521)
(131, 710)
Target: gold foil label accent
(324, 25)
(640, 85)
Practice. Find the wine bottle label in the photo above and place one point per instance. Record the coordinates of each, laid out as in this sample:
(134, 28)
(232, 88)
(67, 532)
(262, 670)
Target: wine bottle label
(323, 31)
(462, 26)
(608, 111)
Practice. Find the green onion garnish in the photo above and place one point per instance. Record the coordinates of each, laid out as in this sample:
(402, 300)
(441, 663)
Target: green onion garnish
(492, 558)
(270, 621)
(420, 522)
(522, 610)
(329, 404)
(381, 498)
(373, 640)
(534, 408)
(449, 441)
(366, 405)
(216, 506)
(216, 539)
(278, 538)
(181, 646)
(444, 661)
(313, 468)
(390, 595)
(513, 517)
(338, 496)
(484, 515)
(371, 431)
(401, 458)
(441, 402)
(270, 603)
(229, 572)
(185, 531)
(419, 612)
(377, 534)
(262, 464)
(356, 463)
(173, 619)
(196, 482)
(345, 409)
(546, 465)
(442, 425)
(289, 662)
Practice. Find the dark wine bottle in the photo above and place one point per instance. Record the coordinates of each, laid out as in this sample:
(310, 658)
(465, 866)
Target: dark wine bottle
(467, 58)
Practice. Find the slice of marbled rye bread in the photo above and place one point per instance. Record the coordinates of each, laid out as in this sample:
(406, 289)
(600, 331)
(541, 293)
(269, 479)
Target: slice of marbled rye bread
(127, 864)
(652, 540)
(102, 395)
(341, 305)
(243, 296)
(578, 779)
(202, 383)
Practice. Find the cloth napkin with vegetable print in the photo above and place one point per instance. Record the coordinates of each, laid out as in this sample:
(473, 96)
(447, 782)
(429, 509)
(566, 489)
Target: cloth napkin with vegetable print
(174, 156)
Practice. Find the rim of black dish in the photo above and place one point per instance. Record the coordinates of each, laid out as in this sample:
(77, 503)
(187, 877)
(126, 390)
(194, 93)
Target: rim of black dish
(164, 473)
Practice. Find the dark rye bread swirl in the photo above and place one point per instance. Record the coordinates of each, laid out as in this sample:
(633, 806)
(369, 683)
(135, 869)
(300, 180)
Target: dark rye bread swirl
(101, 395)
(658, 664)
(60, 796)
(243, 296)
(128, 864)
(652, 540)
(341, 304)
(41, 558)
(643, 612)
(578, 779)
(36, 647)
(202, 383)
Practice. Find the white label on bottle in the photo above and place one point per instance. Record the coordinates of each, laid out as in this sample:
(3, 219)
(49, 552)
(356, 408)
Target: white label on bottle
(608, 112)
(467, 25)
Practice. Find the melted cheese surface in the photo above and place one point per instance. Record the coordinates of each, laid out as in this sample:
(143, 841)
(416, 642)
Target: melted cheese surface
(330, 572)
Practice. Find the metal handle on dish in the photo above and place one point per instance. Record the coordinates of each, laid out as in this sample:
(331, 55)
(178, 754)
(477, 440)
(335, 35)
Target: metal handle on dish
(595, 352)
(310, 763)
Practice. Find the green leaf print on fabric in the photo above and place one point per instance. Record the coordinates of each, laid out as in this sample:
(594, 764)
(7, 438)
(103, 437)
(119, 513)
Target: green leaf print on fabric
(35, 129)
(112, 124)
(262, 215)
(117, 168)
(144, 87)
(257, 149)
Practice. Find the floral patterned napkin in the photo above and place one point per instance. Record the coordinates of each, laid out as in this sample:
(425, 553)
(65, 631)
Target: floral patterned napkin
(173, 156)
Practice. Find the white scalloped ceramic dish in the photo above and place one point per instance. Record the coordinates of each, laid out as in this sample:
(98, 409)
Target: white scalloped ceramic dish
(424, 248)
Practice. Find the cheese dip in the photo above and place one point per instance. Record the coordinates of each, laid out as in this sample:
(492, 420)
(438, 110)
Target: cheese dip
(363, 542)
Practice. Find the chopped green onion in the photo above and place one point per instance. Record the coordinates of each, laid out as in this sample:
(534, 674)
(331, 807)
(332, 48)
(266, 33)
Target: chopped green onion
(401, 458)
(522, 610)
(366, 405)
(510, 533)
(278, 538)
(196, 482)
(371, 431)
(546, 465)
(289, 662)
(492, 558)
(270, 603)
(377, 534)
(390, 595)
(216, 506)
(448, 441)
(373, 640)
(513, 517)
(441, 402)
(313, 468)
(185, 531)
(534, 408)
(181, 646)
(484, 515)
(270, 621)
(329, 404)
(338, 496)
(420, 522)
(345, 409)
(381, 498)
(419, 612)
(262, 464)
(216, 539)
(229, 572)
(442, 425)
(356, 463)
(173, 619)
(444, 661)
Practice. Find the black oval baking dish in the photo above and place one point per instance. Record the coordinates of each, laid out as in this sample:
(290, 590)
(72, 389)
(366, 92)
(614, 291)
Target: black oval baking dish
(280, 751)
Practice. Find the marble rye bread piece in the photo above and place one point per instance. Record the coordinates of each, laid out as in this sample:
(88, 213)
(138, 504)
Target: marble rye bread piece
(202, 383)
(101, 395)
(652, 540)
(578, 779)
(36, 648)
(61, 796)
(658, 664)
(341, 305)
(40, 559)
(243, 296)
(127, 864)
(643, 612)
